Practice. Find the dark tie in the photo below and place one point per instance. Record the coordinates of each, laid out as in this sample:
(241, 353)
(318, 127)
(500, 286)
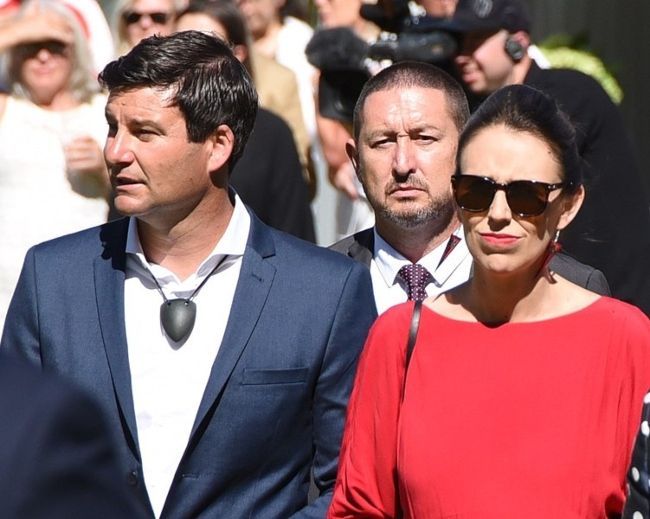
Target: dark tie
(416, 278)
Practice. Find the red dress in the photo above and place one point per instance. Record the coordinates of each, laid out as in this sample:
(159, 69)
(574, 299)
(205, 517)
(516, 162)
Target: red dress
(523, 420)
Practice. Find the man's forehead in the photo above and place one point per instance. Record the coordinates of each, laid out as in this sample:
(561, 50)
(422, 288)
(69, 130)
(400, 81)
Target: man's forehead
(143, 99)
(384, 104)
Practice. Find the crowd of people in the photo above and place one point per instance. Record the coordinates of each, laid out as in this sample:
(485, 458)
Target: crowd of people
(476, 343)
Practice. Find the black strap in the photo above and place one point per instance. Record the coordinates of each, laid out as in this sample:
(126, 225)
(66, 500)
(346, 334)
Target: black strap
(413, 336)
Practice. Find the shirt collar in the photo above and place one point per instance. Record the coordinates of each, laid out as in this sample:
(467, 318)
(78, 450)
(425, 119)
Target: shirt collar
(232, 243)
(389, 261)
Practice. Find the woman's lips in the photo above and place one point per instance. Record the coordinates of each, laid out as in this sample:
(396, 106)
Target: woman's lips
(498, 238)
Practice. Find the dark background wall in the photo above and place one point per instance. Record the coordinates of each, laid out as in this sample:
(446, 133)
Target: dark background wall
(619, 33)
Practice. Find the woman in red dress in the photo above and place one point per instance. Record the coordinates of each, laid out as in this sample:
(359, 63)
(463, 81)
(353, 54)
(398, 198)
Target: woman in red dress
(524, 391)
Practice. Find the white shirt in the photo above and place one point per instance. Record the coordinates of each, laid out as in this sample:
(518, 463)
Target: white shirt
(390, 290)
(168, 379)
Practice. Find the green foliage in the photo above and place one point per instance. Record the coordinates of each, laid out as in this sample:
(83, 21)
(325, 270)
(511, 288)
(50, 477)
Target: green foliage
(563, 51)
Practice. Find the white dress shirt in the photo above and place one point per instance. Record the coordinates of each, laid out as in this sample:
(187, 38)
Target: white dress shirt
(390, 290)
(168, 378)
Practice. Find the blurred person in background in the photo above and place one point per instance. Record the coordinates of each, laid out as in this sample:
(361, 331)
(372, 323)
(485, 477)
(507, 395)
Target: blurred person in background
(269, 176)
(612, 231)
(283, 38)
(53, 179)
(353, 211)
(134, 20)
(277, 86)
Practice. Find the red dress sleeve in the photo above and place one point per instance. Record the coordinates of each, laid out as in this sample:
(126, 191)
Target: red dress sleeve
(366, 482)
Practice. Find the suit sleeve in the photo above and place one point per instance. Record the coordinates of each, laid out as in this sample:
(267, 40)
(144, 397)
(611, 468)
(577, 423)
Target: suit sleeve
(366, 484)
(21, 333)
(596, 282)
(354, 315)
(67, 464)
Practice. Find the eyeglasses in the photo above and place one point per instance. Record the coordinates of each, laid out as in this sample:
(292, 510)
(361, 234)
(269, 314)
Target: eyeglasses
(131, 17)
(524, 197)
(54, 47)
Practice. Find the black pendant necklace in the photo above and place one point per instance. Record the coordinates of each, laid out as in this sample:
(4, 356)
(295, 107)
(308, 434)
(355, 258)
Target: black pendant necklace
(177, 316)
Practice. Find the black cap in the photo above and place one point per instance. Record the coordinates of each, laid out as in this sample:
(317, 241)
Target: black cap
(490, 15)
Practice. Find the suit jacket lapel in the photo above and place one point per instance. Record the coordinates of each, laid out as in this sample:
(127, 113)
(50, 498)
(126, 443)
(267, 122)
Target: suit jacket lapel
(255, 280)
(362, 247)
(109, 291)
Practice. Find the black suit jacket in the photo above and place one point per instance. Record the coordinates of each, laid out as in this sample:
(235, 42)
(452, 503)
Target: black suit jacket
(56, 457)
(360, 247)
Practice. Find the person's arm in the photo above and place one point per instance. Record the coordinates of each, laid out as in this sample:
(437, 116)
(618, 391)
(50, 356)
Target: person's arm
(366, 484)
(21, 335)
(353, 317)
(31, 27)
(333, 136)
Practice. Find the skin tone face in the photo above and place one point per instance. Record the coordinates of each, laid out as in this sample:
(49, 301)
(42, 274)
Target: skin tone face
(205, 23)
(201, 22)
(500, 241)
(260, 14)
(405, 156)
(338, 13)
(45, 69)
(155, 172)
(145, 26)
(483, 63)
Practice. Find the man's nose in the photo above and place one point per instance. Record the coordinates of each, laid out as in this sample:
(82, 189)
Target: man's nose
(404, 159)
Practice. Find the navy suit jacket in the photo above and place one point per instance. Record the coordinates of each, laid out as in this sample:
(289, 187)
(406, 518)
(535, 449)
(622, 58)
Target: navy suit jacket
(274, 404)
(56, 457)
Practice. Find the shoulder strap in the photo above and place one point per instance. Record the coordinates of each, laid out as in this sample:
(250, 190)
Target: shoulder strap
(413, 331)
(413, 336)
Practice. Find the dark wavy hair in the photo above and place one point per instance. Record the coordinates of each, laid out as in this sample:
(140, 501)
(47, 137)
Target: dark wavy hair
(523, 108)
(211, 87)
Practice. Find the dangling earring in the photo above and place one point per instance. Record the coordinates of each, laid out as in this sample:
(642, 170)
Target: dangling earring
(555, 246)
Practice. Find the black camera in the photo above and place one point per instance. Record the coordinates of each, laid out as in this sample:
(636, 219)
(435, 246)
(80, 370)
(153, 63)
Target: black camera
(346, 61)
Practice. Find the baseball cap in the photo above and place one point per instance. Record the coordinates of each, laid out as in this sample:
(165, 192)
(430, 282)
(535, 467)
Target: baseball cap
(490, 15)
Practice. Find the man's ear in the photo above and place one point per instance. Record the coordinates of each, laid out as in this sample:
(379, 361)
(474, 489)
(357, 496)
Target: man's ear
(353, 154)
(572, 204)
(223, 144)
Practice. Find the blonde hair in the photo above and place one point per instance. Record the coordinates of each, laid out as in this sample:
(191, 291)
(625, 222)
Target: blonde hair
(118, 25)
(82, 83)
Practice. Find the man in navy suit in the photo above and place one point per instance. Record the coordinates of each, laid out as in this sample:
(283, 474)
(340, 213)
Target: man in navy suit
(223, 351)
(56, 456)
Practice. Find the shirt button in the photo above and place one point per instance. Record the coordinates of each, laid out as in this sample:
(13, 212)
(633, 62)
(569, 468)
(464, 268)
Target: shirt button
(132, 478)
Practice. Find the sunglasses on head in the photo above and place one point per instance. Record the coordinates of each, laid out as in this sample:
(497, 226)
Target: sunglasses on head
(524, 197)
(131, 17)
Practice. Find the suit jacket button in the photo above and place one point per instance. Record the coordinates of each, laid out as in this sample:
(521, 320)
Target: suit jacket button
(132, 478)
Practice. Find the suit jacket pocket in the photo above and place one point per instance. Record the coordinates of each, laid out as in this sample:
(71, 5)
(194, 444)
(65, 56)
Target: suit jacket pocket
(274, 376)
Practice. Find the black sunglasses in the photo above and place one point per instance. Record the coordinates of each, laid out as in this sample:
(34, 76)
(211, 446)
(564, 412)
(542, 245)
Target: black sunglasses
(54, 47)
(525, 197)
(131, 17)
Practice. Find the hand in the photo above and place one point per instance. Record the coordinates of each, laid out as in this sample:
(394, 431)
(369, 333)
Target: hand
(34, 25)
(343, 179)
(83, 156)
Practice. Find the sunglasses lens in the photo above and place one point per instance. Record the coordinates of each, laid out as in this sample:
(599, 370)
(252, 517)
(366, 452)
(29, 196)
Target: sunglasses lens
(526, 198)
(473, 193)
(131, 17)
(159, 18)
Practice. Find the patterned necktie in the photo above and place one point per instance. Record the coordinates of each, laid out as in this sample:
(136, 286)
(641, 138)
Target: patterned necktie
(416, 278)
